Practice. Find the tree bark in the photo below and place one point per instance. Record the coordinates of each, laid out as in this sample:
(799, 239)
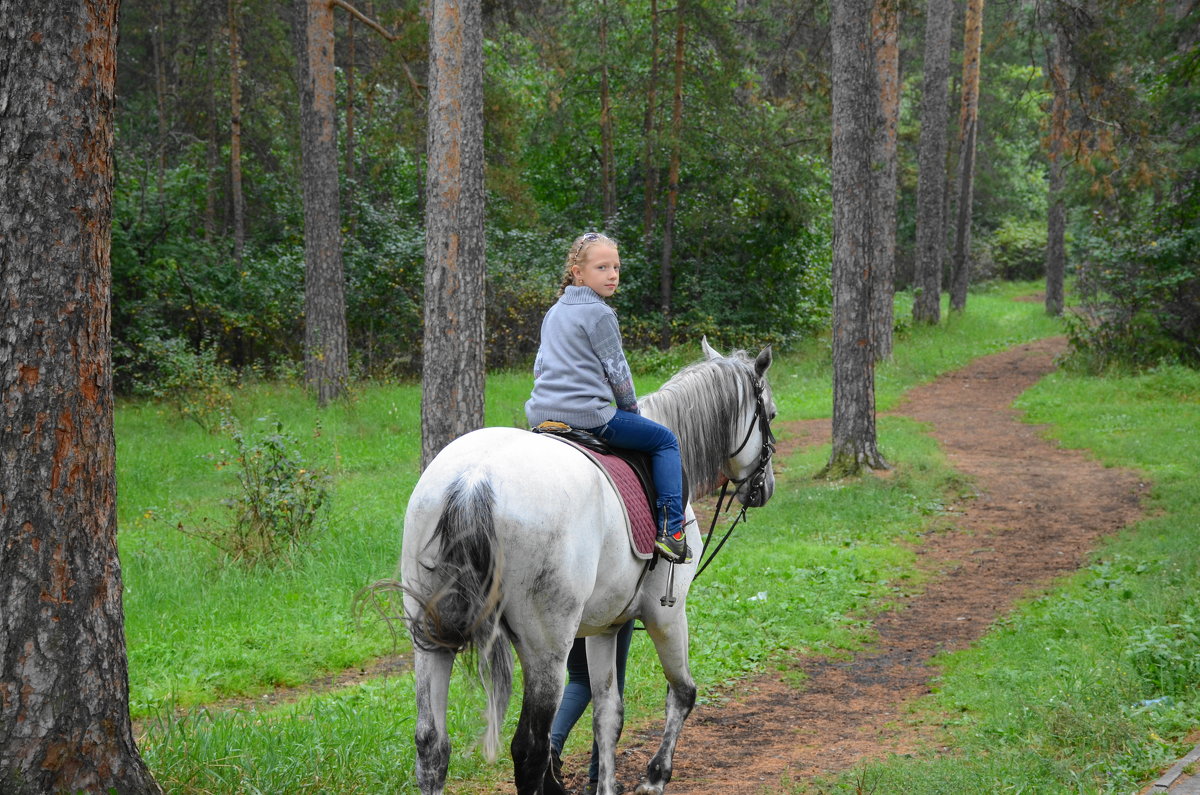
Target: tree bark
(649, 133)
(1056, 221)
(238, 199)
(968, 125)
(885, 26)
(455, 267)
(607, 168)
(931, 176)
(64, 691)
(665, 274)
(351, 55)
(856, 114)
(326, 366)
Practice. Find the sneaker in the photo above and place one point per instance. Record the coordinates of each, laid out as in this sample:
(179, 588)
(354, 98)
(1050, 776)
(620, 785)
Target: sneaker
(673, 547)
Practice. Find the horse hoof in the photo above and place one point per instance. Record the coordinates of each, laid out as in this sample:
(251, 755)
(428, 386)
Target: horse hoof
(646, 788)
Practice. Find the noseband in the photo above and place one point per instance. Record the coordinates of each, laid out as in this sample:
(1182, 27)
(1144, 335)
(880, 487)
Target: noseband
(757, 476)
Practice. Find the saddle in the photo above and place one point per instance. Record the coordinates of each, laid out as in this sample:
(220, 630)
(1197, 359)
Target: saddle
(630, 473)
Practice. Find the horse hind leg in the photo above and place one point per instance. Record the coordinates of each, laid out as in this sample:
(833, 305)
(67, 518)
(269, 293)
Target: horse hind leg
(432, 674)
(531, 741)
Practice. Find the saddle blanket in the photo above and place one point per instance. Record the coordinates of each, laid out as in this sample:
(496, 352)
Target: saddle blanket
(639, 516)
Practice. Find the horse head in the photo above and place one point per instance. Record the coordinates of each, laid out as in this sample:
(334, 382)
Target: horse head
(749, 464)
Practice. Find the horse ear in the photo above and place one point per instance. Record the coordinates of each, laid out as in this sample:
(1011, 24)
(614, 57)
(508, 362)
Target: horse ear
(709, 353)
(762, 361)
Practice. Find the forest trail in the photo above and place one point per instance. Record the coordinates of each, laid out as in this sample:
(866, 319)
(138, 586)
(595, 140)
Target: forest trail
(1039, 511)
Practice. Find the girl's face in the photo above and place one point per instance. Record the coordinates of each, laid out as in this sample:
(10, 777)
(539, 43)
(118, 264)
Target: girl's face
(600, 269)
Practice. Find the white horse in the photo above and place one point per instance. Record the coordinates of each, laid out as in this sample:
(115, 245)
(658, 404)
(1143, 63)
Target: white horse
(514, 538)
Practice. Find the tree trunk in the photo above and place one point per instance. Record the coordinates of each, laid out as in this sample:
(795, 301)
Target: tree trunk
(856, 114)
(649, 167)
(64, 691)
(326, 368)
(455, 267)
(968, 125)
(665, 274)
(160, 92)
(351, 46)
(1056, 221)
(235, 137)
(607, 169)
(885, 25)
(931, 177)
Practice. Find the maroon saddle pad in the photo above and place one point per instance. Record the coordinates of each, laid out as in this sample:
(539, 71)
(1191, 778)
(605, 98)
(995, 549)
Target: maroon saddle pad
(629, 486)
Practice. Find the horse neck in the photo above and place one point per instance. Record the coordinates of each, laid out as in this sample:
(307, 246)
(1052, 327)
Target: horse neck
(703, 405)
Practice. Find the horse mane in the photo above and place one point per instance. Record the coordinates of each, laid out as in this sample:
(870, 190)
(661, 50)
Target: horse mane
(698, 404)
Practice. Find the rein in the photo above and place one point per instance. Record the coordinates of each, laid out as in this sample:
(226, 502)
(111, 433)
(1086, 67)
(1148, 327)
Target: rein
(757, 478)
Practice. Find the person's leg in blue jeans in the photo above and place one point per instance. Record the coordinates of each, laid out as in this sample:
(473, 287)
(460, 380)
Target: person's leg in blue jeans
(635, 432)
(578, 693)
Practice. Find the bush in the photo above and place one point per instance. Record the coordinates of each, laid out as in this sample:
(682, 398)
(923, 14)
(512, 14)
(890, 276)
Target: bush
(195, 383)
(1140, 286)
(1018, 249)
(275, 512)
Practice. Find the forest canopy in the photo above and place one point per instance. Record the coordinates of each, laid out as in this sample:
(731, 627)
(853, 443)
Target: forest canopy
(580, 133)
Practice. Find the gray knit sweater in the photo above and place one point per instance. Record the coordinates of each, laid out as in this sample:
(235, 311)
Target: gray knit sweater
(580, 370)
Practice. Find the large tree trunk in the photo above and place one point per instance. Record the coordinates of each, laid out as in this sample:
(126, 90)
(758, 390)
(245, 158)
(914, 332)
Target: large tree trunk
(64, 691)
(649, 133)
(1056, 221)
(968, 125)
(931, 177)
(455, 267)
(607, 167)
(856, 113)
(326, 367)
(235, 137)
(885, 27)
(665, 264)
(351, 55)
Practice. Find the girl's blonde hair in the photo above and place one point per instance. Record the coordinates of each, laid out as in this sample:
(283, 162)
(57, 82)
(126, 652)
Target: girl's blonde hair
(575, 255)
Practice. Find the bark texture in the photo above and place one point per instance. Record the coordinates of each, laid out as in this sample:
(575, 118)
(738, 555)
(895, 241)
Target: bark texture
(64, 692)
(650, 135)
(1056, 221)
(885, 29)
(237, 198)
(968, 124)
(856, 113)
(931, 175)
(326, 364)
(453, 356)
(665, 274)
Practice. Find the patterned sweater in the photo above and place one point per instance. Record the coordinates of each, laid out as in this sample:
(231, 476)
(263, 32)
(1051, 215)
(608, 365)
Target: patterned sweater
(580, 370)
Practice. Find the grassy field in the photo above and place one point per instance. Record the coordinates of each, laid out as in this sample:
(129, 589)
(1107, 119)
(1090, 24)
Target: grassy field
(1088, 689)
(200, 630)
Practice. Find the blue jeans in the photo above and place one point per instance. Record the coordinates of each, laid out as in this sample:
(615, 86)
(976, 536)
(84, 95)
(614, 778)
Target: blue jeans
(635, 432)
(578, 693)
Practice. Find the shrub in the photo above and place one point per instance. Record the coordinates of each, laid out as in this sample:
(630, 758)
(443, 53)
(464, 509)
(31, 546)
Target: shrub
(195, 383)
(1018, 249)
(275, 511)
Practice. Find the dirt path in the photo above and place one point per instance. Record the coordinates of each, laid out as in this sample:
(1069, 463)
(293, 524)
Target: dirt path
(1039, 511)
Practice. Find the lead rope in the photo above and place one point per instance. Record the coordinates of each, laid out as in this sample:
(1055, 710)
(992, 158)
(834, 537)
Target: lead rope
(713, 526)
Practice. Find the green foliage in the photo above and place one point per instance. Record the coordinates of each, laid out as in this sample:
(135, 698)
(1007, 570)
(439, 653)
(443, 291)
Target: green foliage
(1140, 286)
(1018, 249)
(274, 514)
(195, 383)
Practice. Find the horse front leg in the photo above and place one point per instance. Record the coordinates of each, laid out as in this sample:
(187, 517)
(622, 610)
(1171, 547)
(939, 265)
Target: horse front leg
(608, 711)
(432, 677)
(671, 643)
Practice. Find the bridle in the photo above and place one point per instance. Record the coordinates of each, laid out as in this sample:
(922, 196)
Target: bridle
(757, 477)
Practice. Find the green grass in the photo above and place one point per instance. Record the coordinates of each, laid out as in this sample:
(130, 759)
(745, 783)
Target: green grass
(1089, 689)
(788, 580)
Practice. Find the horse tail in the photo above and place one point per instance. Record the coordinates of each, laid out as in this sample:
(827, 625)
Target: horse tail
(463, 608)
